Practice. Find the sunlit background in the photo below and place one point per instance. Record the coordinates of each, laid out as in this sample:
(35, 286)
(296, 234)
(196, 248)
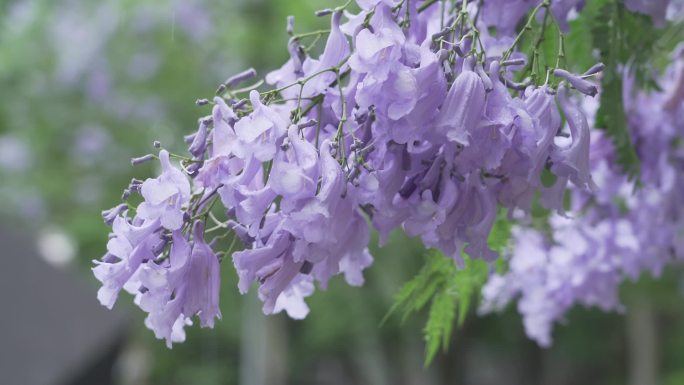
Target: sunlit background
(85, 86)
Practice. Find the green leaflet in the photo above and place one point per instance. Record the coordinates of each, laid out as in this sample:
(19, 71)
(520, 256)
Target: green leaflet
(611, 39)
(448, 289)
(439, 325)
(611, 118)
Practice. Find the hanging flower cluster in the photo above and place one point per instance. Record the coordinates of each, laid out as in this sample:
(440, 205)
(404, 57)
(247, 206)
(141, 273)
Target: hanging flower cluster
(419, 115)
(623, 231)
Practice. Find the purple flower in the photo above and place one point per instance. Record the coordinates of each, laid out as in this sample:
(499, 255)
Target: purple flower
(259, 132)
(185, 285)
(295, 170)
(463, 107)
(203, 281)
(159, 291)
(377, 51)
(165, 195)
(547, 122)
(334, 54)
(221, 162)
(292, 299)
(573, 161)
(129, 245)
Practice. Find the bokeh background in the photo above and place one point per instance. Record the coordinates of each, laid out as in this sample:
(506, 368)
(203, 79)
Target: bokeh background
(86, 85)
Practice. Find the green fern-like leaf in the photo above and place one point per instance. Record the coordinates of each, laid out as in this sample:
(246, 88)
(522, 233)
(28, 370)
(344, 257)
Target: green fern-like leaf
(448, 290)
(439, 325)
(609, 37)
(468, 283)
(417, 292)
(501, 233)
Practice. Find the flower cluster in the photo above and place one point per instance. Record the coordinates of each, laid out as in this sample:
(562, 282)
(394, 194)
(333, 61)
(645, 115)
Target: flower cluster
(624, 230)
(412, 117)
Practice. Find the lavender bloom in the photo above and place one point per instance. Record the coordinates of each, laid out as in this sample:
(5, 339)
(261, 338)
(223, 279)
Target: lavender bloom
(129, 245)
(570, 163)
(377, 51)
(421, 90)
(547, 122)
(158, 292)
(199, 142)
(259, 131)
(335, 51)
(292, 298)
(295, 170)
(165, 196)
(221, 161)
(202, 280)
(462, 109)
(573, 161)
(185, 285)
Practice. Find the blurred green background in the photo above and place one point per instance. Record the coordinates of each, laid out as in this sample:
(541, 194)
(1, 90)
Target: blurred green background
(86, 85)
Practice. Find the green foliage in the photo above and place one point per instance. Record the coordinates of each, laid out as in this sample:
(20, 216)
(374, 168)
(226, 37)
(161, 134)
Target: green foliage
(440, 323)
(611, 36)
(450, 290)
(611, 117)
(624, 38)
(501, 232)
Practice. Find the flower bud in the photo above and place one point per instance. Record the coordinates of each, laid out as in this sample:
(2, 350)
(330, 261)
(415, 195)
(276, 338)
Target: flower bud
(239, 104)
(240, 77)
(109, 215)
(513, 62)
(199, 142)
(290, 25)
(323, 12)
(596, 68)
(142, 159)
(297, 55)
(580, 84)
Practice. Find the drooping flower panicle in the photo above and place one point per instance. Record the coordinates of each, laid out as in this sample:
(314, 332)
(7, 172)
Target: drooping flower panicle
(408, 119)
